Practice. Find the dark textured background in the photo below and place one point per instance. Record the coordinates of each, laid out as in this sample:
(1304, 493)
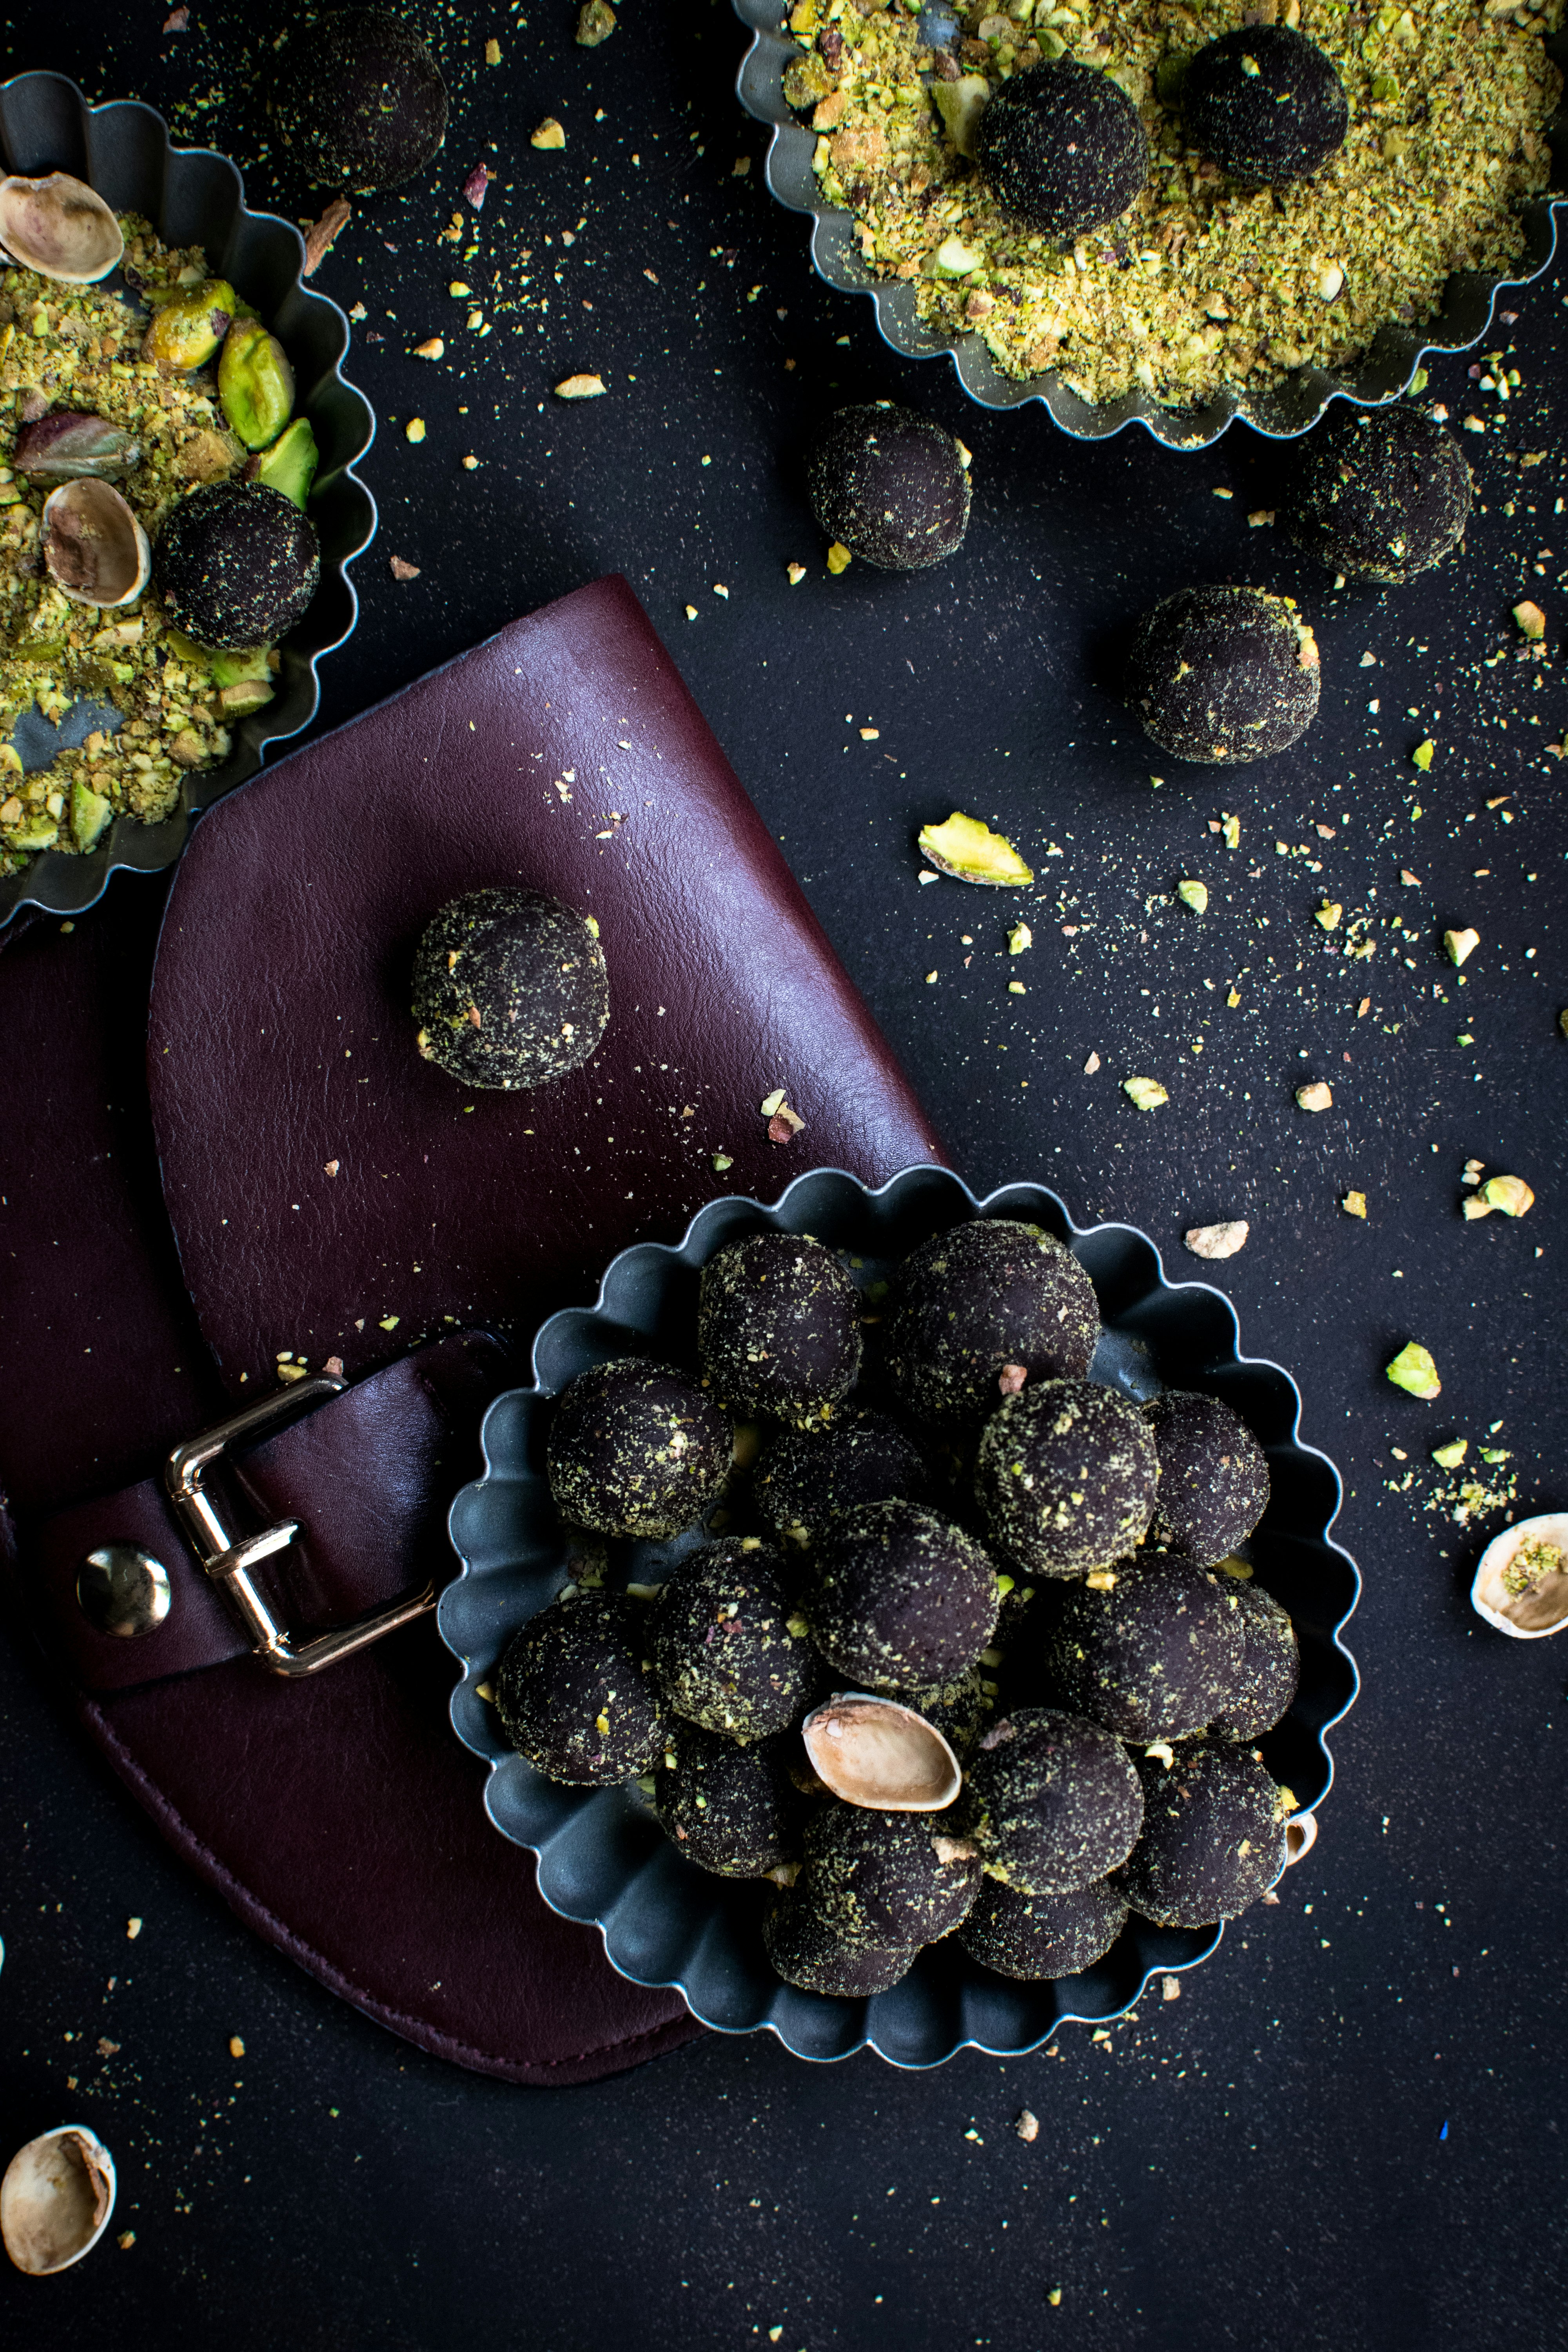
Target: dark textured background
(1264, 2163)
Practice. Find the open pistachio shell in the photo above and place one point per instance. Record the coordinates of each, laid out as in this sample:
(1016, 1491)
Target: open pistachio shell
(96, 551)
(56, 2199)
(58, 226)
(876, 1753)
(1522, 1584)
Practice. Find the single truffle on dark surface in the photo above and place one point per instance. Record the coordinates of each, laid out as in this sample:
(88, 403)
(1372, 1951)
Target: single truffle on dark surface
(1213, 1475)
(1155, 1657)
(1032, 1936)
(1270, 1668)
(729, 1808)
(236, 565)
(361, 103)
(803, 1944)
(900, 1596)
(1061, 148)
(636, 1449)
(575, 1696)
(1056, 1803)
(807, 1476)
(890, 485)
(1224, 675)
(1265, 104)
(887, 1879)
(509, 989)
(973, 1302)
(1065, 1479)
(724, 1652)
(1214, 1837)
(778, 1328)
(1381, 493)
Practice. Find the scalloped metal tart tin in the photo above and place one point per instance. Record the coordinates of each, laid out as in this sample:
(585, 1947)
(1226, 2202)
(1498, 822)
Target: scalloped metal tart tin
(603, 1858)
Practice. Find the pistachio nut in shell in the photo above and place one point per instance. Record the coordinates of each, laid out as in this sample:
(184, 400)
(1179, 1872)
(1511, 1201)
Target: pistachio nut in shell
(56, 2199)
(879, 1754)
(1521, 1584)
(66, 447)
(254, 383)
(185, 332)
(59, 228)
(95, 550)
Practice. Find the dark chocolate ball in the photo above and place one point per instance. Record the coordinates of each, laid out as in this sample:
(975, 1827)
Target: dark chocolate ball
(1056, 1805)
(724, 1651)
(807, 1476)
(1270, 1667)
(959, 1707)
(1065, 1479)
(729, 1808)
(236, 565)
(1379, 493)
(881, 1879)
(778, 1328)
(636, 1449)
(803, 1944)
(1155, 1657)
(1061, 148)
(1224, 675)
(1033, 1936)
(900, 1596)
(574, 1694)
(976, 1300)
(1213, 1475)
(1265, 103)
(889, 484)
(361, 103)
(509, 989)
(1214, 1837)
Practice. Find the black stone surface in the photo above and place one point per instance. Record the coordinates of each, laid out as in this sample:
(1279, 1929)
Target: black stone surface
(353, 2191)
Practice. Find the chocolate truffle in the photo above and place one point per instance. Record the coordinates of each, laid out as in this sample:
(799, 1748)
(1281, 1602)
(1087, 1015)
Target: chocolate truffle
(1380, 493)
(959, 1707)
(1056, 1805)
(574, 1694)
(804, 1945)
(1061, 148)
(636, 1449)
(807, 1476)
(509, 989)
(1213, 1476)
(778, 1328)
(1065, 1479)
(899, 1596)
(236, 565)
(1270, 1668)
(731, 1810)
(362, 104)
(1032, 1936)
(1265, 103)
(1224, 675)
(889, 484)
(887, 1879)
(1214, 1837)
(1156, 1656)
(723, 1652)
(985, 1300)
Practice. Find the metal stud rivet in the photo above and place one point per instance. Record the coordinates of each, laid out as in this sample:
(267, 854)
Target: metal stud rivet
(122, 1589)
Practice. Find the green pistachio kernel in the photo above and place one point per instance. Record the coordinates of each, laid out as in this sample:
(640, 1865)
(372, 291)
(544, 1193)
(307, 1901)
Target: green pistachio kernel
(1413, 1371)
(185, 332)
(256, 384)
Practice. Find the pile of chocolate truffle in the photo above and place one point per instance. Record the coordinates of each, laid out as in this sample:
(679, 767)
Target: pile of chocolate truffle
(989, 1666)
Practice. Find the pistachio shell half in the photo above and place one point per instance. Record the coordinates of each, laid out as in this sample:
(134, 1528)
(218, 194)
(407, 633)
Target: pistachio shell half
(96, 551)
(58, 226)
(66, 447)
(1521, 1584)
(56, 2199)
(875, 1753)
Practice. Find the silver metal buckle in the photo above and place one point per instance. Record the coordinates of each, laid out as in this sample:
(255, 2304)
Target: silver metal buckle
(228, 1561)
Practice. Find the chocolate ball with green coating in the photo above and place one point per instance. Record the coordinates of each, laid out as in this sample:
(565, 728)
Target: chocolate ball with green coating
(959, 1707)
(806, 1477)
(1379, 493)
(1224, 675)
(362, 104)
(731, 1810)
(1270, 1667)
(1155, 1657)
(991, 1297)
(1061, 148)
(636, 1449)
(889, 484)
(900, 1596)
(803, 1944)
(778, 1328)
(576, 1696)
(1214, 1837)
(1037, 1936)
(1266, 104)
(236, 565)
(728, 1651)
(509, 989)
(1213, 1475)
(885, 1879)
(1065, 1479)
(1056, 1803)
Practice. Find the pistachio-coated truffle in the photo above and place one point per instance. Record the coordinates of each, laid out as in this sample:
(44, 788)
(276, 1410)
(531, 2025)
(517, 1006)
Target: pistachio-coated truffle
(1155, 1657)
(806, 1477)
(729, 1808)
(803, 1944)
(1061, 148)
(1035, 1936)
(236, 565)
(509, 989)
(724, 1653)
(1224, 675)
(959, 1707)
(778, 1328)
(1266, 104)
(1214, 1837)
(881, 1879)
(900, 1596)
(1065, 1479)
(636, 1449)
(985, 1300)
(1056, 1805)
(889, 484)
(1270, 1668)
(1213, 1475)
(362, 104)
(574, 1694)
(1381, 493)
